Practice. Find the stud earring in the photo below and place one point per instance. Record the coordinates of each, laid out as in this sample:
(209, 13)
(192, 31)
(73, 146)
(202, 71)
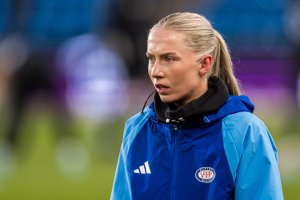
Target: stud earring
(200, 74)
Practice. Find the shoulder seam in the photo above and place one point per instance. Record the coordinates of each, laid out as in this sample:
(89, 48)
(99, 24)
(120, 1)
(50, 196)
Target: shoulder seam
(229, 133)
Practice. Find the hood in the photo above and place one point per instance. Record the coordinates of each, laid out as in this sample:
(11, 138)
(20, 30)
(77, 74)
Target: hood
(234, 104)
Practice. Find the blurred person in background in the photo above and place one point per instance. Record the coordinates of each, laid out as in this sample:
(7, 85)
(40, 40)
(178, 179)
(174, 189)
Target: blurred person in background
(37, 86)
(32, 31)
(97, 79)
(199, 138)
(34, 76)
(13, 53)
(31, 71)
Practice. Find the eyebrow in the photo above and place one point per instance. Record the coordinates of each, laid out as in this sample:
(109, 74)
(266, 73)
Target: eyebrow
(163, 54)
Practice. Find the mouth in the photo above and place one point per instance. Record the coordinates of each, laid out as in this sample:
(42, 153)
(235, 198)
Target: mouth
(162, 89)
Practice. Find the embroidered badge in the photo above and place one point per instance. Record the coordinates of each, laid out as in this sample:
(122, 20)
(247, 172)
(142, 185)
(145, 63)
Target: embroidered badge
(205, 174)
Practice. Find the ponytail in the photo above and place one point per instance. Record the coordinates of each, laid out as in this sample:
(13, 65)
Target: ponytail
(222, 65)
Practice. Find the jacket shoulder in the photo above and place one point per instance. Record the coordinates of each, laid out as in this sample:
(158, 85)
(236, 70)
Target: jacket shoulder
(241, 127)
(136, 122)
(251, 154)
(242, 132)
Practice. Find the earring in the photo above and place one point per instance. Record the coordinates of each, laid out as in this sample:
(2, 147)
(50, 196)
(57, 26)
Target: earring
(200, 74)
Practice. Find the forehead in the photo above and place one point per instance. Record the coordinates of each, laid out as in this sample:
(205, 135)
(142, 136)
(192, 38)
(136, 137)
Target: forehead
(162, 39)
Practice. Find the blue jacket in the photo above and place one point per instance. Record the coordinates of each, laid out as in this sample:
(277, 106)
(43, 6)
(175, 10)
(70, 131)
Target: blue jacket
(230, 154)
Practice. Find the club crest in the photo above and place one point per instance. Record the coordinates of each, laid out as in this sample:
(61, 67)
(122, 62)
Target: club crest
(205, 174)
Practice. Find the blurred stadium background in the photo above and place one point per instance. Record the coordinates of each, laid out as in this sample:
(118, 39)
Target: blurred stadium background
(72, 71)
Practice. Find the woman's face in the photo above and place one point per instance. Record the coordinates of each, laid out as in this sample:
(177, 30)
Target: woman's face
(173, 68)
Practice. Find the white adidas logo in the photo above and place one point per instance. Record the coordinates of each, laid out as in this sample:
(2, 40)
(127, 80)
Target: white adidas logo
(143, 169)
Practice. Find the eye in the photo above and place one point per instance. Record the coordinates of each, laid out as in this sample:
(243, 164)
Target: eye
(151, 59)
(169, 58)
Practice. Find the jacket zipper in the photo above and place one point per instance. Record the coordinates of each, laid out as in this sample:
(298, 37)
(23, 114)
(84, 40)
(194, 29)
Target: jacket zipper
(174, 169)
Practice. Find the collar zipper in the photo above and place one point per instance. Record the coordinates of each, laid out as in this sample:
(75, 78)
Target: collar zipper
(175, 133)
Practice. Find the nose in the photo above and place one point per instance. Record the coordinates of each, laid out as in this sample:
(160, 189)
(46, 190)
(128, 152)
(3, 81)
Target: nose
(155, 71)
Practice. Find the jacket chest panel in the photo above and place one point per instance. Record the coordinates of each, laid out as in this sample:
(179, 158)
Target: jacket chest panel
(175, 158)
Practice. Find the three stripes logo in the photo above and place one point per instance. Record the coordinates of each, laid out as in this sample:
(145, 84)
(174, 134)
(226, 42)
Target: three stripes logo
(143, 169)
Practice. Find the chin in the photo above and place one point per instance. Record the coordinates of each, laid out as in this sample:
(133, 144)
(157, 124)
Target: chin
(167, 99)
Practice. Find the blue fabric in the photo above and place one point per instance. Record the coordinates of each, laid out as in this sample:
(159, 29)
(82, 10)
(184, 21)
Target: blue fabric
(231, 155)
(252, 155)
(121, 186)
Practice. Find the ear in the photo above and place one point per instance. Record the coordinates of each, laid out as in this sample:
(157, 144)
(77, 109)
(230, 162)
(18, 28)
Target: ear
(205, 64)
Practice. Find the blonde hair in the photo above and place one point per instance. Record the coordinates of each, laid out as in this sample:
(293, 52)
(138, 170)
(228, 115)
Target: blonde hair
(203, 39)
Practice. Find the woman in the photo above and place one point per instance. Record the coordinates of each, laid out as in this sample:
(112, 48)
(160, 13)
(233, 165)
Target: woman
(199, 139)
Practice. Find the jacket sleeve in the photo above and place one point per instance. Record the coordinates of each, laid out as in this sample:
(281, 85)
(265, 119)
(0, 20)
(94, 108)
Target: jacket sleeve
(121, 185)
(254, 161)
(121, 189)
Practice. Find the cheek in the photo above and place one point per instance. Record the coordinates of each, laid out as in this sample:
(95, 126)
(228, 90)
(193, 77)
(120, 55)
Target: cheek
(187, 85)
(186, 78)
(150, 77)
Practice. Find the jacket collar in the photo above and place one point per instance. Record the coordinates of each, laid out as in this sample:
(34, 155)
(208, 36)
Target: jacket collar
(210, 102)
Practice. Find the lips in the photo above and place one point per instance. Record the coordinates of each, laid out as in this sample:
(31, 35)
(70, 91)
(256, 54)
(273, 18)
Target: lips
(161, 89)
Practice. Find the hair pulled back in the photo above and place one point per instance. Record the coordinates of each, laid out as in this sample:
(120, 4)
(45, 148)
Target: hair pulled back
(203, 39)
